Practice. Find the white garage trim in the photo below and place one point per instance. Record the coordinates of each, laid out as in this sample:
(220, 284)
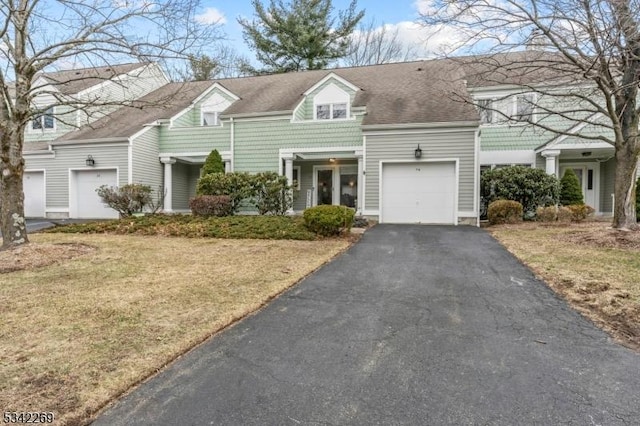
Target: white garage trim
(44, 189)
(455, 161)
(73, 195)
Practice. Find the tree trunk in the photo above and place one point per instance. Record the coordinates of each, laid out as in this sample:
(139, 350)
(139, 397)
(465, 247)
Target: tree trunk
(624, 217)
(13, 226)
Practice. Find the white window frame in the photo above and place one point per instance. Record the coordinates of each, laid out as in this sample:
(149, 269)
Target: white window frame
(41, 119)
(207, 112)
(532, 103)
(483, 109)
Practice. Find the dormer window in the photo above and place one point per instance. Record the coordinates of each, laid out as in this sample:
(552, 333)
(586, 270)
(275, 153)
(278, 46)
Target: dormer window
(210, 118)
(44, 121)
(525, 107)
(335, 111)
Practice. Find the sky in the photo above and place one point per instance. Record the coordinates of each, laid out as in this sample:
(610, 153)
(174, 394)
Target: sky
(400, 14)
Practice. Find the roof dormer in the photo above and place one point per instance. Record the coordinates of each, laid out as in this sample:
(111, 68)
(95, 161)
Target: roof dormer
(328, 99)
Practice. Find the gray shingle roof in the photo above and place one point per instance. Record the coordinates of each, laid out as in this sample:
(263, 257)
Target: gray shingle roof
(70, 82)
(400, 93)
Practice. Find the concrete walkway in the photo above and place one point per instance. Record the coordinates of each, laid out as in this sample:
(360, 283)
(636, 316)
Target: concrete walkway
(413, 325)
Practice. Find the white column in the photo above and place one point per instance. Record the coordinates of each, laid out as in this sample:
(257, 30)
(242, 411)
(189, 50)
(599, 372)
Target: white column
(288, 172)
(359, 206)
(227, 166)
(551, 164)
(168, 183)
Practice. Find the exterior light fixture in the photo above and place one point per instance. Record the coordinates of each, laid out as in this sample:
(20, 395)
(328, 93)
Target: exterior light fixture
(90, 161)
(418, 152)
(332, 160)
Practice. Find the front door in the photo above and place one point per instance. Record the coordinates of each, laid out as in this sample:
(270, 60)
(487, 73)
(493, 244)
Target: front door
(587, 177)
(324, 187)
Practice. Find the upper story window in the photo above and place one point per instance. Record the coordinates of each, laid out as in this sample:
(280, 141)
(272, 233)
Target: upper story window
(486, 112)
(210, 118)
(524, 107)
(335, 111)
(44, 121)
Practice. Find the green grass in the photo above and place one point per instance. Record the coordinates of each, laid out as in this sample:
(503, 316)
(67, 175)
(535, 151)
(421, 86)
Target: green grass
(233, 227)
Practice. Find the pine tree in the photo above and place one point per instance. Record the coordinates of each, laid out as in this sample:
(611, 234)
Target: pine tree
(299, 35)
(570, 191)
(213, 163)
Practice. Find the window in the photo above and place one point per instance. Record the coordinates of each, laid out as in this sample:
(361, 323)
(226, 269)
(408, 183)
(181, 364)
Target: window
(524, 107)
(331, 111)
(485, 108)
(296, 178)
(44, 121)
(210, 118)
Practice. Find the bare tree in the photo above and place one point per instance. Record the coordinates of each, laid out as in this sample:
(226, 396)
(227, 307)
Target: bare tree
(374, 44)
(582, 63)
(37, 35)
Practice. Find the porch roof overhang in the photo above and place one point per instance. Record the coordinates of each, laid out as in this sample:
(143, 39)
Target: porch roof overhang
(322, 153)
(191, 157)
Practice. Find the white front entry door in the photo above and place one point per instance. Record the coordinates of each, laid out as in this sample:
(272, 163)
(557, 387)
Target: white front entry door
(34, 194)
(418, 192)
(588, 175)
(85, 202)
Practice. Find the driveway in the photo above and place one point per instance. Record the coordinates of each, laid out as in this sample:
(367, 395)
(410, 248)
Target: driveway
(413, 325)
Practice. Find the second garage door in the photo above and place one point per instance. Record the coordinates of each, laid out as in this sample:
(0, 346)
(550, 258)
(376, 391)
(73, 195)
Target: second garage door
(87, 203)
(420, 192)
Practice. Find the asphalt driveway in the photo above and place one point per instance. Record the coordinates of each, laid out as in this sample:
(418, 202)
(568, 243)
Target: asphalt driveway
(413, 325)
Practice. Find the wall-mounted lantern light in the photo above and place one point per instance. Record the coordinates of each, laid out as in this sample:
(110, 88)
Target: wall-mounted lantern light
(418, 152)
(90, 161)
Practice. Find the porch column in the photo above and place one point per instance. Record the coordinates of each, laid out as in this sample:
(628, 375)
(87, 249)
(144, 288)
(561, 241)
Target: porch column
(288, 172)
(551, 164)
(227, 166)
(359, 195)
(168, 183)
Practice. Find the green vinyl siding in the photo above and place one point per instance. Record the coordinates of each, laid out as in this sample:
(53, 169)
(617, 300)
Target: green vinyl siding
(195, 139)
(185, 178)
(57, 169)
(434, 145)
(257, 143)
(146, 167)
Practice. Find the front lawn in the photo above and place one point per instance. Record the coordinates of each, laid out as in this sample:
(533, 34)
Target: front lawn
(78, 333)
(594, 267)
(253, 227)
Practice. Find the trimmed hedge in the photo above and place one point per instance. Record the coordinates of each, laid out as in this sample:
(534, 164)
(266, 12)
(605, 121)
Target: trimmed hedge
(529, 186)
(213, 163)
(127, 199)
(211, 205)
(237, 227)
(328, 220)
(238, 186)
(547, 214)
(504, 211)
(580, 212)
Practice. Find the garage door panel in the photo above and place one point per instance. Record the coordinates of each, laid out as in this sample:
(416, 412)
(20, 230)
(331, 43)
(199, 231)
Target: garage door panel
(34, 194)
(88, 203)
(418, 193)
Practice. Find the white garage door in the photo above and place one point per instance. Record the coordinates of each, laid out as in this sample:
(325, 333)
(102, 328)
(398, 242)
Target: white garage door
(418, 193)
(34, 196)
(87, 202)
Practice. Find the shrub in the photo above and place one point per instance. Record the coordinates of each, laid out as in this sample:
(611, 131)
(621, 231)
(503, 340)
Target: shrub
(580, 212)
(528, 186)
(547, 214)
(565, 215)
(211, 205)
(127, 199)
(504, 211)
(238, 186)
(570, 192)
(271, 193)
(213, 163)
(328, 220)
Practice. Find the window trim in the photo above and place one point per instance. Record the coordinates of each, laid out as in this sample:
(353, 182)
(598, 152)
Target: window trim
(41, 119)
(217, 118)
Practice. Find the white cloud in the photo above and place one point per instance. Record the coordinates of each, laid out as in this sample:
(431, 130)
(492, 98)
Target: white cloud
(210, 16)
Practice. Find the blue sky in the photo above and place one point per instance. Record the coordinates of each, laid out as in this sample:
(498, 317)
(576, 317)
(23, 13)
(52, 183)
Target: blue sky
(396, 14)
